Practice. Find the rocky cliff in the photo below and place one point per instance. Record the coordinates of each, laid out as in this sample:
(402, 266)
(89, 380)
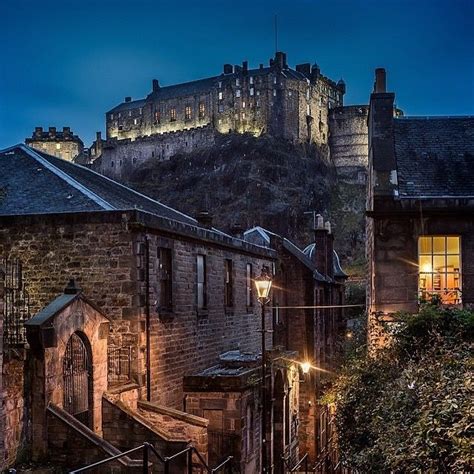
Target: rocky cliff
(246, 181)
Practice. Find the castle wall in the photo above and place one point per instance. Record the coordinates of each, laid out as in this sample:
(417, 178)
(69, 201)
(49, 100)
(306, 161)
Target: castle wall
(348, 141)
(120, 157)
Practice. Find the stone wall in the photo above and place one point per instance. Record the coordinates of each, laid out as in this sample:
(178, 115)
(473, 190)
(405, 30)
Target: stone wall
(348, 141)
(2, 411)
(120, 157)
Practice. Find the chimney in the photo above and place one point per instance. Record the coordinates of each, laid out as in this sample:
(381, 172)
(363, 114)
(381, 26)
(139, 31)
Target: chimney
(237, 68)
(304, 69)
(98, 136)
(320, 240)
(228, 69)
(155, 85)
(204, 219)
(66, 131)
(315, 72)
(237, 229)
(261, 66)
(38, 132)
(380, 81)
(245, 67)
(280, 60)
(382, 162)
(128, 99)
(52, 131)
(329, 250)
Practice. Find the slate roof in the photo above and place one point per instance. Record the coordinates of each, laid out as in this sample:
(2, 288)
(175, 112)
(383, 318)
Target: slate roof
(435, 156)
(304, 256)
(134, 104)
(32, 182)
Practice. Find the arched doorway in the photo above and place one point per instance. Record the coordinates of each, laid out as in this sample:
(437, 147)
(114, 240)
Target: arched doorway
(278, 422)
(77, 379)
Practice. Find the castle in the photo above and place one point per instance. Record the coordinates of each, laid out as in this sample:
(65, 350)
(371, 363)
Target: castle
(297, 104)
(300, 105)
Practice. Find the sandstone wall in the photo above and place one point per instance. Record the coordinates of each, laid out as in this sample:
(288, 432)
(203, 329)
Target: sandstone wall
(348, 141)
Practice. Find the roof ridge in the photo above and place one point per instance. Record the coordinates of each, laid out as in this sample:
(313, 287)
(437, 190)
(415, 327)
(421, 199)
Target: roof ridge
(116, 183)
(65, 177)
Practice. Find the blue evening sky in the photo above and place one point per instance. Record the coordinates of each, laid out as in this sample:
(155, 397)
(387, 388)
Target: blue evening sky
(65, 63)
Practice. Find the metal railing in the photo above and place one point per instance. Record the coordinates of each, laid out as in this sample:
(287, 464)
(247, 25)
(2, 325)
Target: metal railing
(302, 462)
(167, 461)
(119, 364)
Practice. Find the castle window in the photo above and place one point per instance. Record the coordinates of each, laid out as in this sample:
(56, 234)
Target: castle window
(111, 164)
(274, 80)
(129, 113)
(221, 108)
(164, 263)
(274, 92)
(140, 110)
(221, 95)
(258, 92)
(202, 109)
(243, 115)
(258, 103)
(135, 121)
(157, 116)
(307, 94)
(237, 93)
(243, 104)
(173, 114)
(289, 93)
(111, 116)
(58, 146)
(439, 263)
(188, 113)
(220, 84)
(251, 79)
(237, 82)
(251, 91)
(119, 115)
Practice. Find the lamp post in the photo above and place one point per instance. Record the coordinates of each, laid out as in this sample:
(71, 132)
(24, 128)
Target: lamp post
(263, 283)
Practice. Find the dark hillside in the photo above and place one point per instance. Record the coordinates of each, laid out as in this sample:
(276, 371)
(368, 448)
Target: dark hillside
(246, 181)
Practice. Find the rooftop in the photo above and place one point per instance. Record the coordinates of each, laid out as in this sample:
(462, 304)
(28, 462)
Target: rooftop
(435, 156)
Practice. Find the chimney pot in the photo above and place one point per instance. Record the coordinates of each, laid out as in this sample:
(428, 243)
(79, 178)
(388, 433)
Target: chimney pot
(155, 85)
(52, 131)
(228, 69)
(245, 66)
(380, 81)
(128, 99)
(327, 226)
(98, 136)
(204, 219)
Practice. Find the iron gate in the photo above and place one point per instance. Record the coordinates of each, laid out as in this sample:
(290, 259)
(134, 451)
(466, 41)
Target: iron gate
(77, 379)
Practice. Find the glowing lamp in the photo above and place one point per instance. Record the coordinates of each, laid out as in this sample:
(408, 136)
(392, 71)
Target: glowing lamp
(263, 284)
(305, 366)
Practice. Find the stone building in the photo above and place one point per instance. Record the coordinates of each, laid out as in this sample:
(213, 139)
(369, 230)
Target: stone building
(285, 102)
(164, 300)
(420, 211)
(63, 144)
(313, 279)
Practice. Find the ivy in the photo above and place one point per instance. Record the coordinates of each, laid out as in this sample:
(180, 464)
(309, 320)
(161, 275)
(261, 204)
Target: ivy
(410, 408)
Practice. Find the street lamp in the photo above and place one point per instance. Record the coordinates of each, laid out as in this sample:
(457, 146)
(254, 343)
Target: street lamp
(305, 366)
(263, 284)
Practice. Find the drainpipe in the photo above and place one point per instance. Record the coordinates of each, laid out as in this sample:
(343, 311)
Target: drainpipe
(147, 314)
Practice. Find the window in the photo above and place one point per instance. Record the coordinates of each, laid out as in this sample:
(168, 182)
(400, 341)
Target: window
(237, 93)
(439, 262)
(221, 108)
(201, 282)
(221, 95)
(157, 116)
(237, 82)
(248, 285)
(243, 104)
(252, 91)
(251, 79)
(129, 113)
(140, 110)
(274, 92)
(173, 114)
(228, 283)
(165, 280)
(202, 109)
(220, 84)
(135, 121)
(250, 431)
(188, 114)
(111, 116)
(58, 146)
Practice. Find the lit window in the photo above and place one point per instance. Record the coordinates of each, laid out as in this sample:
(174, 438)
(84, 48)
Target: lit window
(135, 121)
(221, 95)
(220, 84)
(274, 80)
(237, 93)
(58, 146)
(111, 116)
(221, 108)
(258, 92)
(274, 92)
(173, 114)
(249, 285)
(201, 282)
(251, 79)
(228, 283)
(157, 116)
(165, 300)
(243, 104)
(129, 113)
(119, 115)
(202, 110)
(140, 110)
(439, 262)
(289, 93)
(188, 113)
(237, 82)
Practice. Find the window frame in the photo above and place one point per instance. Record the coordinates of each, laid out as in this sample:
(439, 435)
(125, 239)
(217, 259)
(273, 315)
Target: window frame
(201, 286)
(228, 283)
(249, 285)
(428, 290)
(165, 295)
